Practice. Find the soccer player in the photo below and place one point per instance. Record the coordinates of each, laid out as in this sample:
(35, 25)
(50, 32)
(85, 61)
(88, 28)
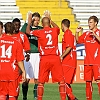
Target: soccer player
(11, 59)
(91, 40)
(49, 55)
(68, 57)
(34, 55)
(1, 28)
(22, 38)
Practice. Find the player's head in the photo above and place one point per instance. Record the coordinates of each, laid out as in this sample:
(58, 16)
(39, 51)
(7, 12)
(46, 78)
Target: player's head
(17, 24)
(1, 27)
(92, 22)
(36, 19)
(45, 22)
(9, 28)
(65, 24)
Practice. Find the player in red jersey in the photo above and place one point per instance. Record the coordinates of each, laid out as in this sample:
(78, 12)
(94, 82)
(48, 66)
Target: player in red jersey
(68, 57)
(1, 28)
(49, 55)
(11, 58)
(22, 38)
(91, 40)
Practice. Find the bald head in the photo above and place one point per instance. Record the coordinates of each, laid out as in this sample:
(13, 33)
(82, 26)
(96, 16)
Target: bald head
(45, 22)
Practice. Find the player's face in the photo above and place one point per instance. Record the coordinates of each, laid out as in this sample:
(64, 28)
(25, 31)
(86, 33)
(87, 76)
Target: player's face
(1, 29)
(62, 27)
(17, 26)
(35, 21)
(92, 24)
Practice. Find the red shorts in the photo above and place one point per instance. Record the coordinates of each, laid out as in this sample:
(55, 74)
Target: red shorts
(90, 71)
(10, 88)
(69, 73)
(50, 64)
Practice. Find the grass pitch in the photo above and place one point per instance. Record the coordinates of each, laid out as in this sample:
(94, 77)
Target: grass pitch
(51, 92)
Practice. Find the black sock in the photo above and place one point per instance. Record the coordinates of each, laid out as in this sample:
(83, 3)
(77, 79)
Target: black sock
(24, 90)
(35, 90)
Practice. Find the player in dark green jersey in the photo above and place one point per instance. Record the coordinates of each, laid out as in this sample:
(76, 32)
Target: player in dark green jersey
(34, 56)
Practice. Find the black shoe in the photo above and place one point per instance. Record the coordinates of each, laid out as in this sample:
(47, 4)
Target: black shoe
(24, 98)
(75, 98)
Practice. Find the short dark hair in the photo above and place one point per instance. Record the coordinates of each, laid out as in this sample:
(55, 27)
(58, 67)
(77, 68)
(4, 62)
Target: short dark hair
(16, 20)
(1, 24)
(36, 14)
(9, 27)
(66, 22)
(94, 18)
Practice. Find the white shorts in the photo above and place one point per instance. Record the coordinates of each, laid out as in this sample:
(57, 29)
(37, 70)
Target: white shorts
(35, 60)
(28, 69)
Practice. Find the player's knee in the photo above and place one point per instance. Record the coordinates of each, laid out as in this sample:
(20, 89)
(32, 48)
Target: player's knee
(98, 80)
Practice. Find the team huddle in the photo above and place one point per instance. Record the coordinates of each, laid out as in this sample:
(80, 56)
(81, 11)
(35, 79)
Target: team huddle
(33, 52)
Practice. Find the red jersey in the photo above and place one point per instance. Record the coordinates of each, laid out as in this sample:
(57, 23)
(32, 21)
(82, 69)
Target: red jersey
(69, 41)
(47, 40)
(91, 46)
(11, 52)
(22, 38)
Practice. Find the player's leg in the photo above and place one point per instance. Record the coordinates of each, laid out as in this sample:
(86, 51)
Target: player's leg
(34, 59)
(88, 76)
(25, 89)
(40, 91)
(2, 97)
(89, 90)
(35, 88)
(96, 71)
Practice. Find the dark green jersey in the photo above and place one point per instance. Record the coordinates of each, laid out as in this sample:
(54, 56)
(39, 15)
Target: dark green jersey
(32, 39)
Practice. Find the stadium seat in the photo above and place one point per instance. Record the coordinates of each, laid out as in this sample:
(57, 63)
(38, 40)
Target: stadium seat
(59, 10)
(83, 9)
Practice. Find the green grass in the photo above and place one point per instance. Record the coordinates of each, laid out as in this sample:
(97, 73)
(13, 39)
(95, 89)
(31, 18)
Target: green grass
(51, 92)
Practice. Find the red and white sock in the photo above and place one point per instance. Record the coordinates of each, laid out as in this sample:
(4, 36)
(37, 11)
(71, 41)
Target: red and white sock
(62, 91)
(69, 91)
(40, 91)
(89, 90)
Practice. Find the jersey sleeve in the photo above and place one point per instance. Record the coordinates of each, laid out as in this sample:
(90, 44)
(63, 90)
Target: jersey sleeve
(68, 40)
(35, 33)
(58, 30)
(81, 38)
(26, 44)
(19, 52)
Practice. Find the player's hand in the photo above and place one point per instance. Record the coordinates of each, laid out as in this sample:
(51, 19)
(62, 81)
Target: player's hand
(47, 14)
(24, 76)
(29, 18)
(79, 29)
(27, 57)
(92, 33)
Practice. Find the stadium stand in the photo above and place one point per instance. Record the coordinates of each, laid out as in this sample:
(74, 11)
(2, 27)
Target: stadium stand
(83, 9)
(59, 10)
(9, 10)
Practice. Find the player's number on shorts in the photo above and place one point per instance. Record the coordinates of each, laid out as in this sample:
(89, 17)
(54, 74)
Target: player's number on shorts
(6, 52)
(49, 36)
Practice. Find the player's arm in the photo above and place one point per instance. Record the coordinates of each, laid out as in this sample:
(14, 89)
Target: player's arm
(29, 24)
(68, 49)
(79, 29)
(21, 65)
(47, 14)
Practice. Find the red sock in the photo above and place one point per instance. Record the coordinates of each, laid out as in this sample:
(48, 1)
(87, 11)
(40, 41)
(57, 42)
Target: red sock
(2, 97)
(62, 91)
(69, 92)
(12, 98)
(98, 83)
(40, 91)
(89, 90)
